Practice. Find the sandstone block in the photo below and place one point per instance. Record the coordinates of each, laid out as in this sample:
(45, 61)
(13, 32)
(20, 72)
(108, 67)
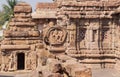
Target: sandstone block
(21, 34)
(57, 68)
(23, 4)
(84, 73)
(24, 9)
(55, 75)
(8, 47)
(20, 19)
(22, 15)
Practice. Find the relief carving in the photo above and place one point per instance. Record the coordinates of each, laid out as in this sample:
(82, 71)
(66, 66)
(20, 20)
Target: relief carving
(11, 62)
(31, 61)
(55, 36)
(28, 61)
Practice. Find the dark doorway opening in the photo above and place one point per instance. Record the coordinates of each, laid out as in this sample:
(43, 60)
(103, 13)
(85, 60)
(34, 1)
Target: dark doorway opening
(20, 61)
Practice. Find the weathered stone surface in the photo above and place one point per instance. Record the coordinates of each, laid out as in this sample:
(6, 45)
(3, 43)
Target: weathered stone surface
(7, 47)
(85, 73)
(21, 41)
(22, 24)
(21, 34)
(26, 8)
(55, 75)
(57, 68)
(20, 19)
(22, 15)
(63, 39)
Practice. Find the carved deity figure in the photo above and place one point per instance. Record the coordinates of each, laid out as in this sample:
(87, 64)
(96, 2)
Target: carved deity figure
(3, 67)
(65, 21)
(28, 62)
(56, 36)
(31, 61)
(51, 24)
(60, 36)
(11, 62)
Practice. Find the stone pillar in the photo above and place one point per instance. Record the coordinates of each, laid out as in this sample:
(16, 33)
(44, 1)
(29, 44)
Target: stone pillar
(90, 38)
(3, 63)
(113, 36)
(91, 35)
(87, 36)
(71, 34)
(77, 38)
(26, 56)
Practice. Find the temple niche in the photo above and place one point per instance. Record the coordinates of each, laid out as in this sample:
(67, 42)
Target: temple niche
(63, 38)
(71, 35)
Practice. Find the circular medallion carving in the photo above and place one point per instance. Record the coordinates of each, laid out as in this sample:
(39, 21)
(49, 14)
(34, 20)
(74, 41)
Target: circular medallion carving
(55, 36)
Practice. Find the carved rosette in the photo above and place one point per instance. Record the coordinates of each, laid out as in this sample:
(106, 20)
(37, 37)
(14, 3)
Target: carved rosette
(55, 36)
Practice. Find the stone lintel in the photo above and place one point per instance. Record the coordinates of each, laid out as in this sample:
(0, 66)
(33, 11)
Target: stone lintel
(7, 47)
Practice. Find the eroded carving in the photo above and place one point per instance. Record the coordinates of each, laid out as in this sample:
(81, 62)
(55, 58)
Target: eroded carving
(55, 36)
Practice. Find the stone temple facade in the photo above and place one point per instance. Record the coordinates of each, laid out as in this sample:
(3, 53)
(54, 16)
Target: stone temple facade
(66, 38)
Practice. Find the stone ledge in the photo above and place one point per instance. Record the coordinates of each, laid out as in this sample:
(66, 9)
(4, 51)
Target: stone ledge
(21, 34)
(98, 61)
(22, 24)
(57, 49)
(93, 55)
(25, 9)
(21, 19)
(7, 47)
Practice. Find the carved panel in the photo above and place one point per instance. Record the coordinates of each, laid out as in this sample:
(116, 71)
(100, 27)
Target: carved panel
(55, 36)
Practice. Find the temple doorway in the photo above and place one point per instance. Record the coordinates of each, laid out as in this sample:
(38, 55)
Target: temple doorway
(20, 61)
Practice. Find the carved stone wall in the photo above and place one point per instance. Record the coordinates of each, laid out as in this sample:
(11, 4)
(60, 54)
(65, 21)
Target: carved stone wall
(24, 47)
(92, 38)
(91, 31)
